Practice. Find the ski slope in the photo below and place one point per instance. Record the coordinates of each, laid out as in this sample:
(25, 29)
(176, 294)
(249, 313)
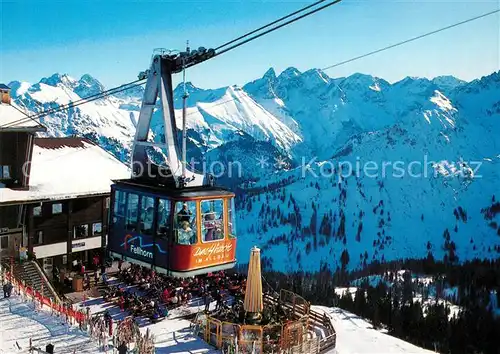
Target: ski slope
(20, 322)
(355, 335)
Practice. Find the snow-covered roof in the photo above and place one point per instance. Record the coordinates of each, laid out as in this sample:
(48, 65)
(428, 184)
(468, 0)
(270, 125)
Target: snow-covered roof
(12, 118)
(64, 168)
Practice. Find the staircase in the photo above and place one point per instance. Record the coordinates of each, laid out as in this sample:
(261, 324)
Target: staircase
(33, 276)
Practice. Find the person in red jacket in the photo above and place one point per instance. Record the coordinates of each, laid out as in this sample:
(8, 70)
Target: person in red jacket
(166, 295)
(110, 327)
(121, 302)
(95, 261)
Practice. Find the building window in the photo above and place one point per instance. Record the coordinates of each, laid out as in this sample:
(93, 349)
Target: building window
(57, 208)
(185, 223)
(37, 211)
(212, 221)
(5, 172)
(96, 228)
(108, 201)
(4, 242)
(38, 238)
(81, 231)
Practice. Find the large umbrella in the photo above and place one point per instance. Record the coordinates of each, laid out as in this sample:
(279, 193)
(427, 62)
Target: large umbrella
(253, 294)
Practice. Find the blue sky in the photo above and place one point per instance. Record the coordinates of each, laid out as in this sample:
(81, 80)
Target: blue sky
(113, 40)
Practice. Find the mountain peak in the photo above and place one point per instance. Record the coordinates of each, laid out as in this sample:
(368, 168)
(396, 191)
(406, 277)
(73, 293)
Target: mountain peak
(492, 79)
(190, 88)
(57, 79)
(88, 86)
(417, 85)
(314, 77)
(358, 81)
(289, 73)
(89, 79)
(410, 80)
(270, 74)
(447, 83)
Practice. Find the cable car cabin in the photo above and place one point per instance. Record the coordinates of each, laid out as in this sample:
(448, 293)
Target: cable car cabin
(179, 232)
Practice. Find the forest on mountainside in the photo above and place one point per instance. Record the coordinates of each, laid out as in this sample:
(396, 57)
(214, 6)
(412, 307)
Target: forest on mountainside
(408, 306)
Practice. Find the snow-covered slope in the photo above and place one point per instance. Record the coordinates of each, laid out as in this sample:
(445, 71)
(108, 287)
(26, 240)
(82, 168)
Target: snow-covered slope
(435, 144)
(432, 168)
(20, 323)
(354, 335)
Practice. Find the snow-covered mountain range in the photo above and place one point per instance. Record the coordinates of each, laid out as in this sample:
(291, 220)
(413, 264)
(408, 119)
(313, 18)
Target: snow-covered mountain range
(295, 136)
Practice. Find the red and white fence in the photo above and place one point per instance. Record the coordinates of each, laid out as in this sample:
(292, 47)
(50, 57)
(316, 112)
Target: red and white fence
(72, 316)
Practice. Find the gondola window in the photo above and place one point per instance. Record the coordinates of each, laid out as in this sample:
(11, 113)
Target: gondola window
(212, 227)
(132, 212)
(185, 223)
(232, 219)
(119, 208)
(163, 218)
(147, 215)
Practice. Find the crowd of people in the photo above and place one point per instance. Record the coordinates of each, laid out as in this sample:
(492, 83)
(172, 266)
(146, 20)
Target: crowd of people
(148, 294)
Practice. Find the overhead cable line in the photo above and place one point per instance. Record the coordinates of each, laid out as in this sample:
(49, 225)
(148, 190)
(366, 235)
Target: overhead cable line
(27, 116)
(269, 24)
(411, 39)
(276, 27)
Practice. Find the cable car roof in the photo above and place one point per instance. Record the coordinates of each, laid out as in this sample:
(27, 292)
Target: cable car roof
(173, 193)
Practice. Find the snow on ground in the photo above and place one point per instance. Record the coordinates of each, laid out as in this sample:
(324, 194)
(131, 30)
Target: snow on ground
(355, 335)
(20, 323)
(173, 335)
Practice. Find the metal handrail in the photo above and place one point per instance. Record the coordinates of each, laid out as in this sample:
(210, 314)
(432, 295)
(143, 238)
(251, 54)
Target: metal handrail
(47, 281)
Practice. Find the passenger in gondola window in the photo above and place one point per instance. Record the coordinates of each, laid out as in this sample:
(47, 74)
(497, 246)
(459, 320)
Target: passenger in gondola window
(209, 224)
(147, 220)
(185, 234)
(212, 226)
(132, 212)
(184, 214)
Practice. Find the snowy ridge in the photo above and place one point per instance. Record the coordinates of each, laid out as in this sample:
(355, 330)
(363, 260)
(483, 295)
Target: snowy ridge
(212, 114)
